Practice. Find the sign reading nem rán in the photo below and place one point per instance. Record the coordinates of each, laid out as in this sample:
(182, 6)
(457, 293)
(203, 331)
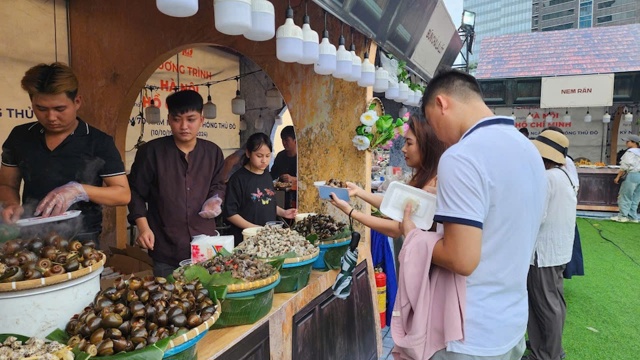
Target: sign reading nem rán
(577, 91)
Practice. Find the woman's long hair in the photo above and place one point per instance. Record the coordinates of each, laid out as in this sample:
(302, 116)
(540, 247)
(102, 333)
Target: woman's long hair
(431, 150)
(254, 143)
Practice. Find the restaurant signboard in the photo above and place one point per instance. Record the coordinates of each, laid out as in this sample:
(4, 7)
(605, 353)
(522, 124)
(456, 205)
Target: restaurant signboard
(577, 91)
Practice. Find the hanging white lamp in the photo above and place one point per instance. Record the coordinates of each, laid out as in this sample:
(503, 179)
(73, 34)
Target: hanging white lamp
(289, 40)
(178, 8)
(606, 118)
(259, 124)
(209, 109)
(238, 104)
(628, 117)
(263, 21)
(368, 77)
(310, 45)
(326, 63)
(356, 64)
(410, 98)
(587, 118)
(513, 115)
(382, 80)
(232, 17)
(274, 99)
(343, 61)
(549, 117)
(529, 118)
(566, 118)
(418, 95)
(393, 90)
(152, 114)
(243, 124)
(403, 92)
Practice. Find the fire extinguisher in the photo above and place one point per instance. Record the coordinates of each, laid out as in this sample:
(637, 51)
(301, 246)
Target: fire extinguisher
(381, 287)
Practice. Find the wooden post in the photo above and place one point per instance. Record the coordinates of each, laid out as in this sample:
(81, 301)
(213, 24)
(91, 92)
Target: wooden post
(615, 130)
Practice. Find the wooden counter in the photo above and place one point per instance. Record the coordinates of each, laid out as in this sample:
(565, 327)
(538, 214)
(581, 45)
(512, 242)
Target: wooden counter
(309, 324)
(597, 191)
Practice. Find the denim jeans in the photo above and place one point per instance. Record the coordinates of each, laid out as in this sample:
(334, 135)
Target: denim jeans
(629, 196)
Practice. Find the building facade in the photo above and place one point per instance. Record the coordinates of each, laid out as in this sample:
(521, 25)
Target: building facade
(549, 15)
(498, 17)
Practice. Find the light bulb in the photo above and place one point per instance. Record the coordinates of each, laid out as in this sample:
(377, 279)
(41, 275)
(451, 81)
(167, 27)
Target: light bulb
(209, 109)
(243, 125)
(178, 8)
(344, 61)
(152, 114)
(529, 119)
(368, 77)
(403, 92)
(628, 117)
(326, 63)
(310, 45)
(587, 118)
(566, 118)
(356, 66)
(549, 118)
(263, 21)
(392, 91)
(382, 80)
(606, 118)
(238, 104)
(259, 123)
(289, 41)
(232, 17)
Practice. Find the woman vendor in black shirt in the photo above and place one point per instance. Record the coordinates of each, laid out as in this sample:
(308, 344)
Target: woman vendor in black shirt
(250, 199)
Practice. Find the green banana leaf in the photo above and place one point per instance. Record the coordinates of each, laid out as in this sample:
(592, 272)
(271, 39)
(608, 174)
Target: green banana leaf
(312, 238)
(4, 337)
(244, 310)
(8, 232)
(333, 256)
(293, 278)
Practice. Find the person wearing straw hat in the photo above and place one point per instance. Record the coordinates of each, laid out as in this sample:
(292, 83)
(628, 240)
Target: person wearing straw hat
(629, 195)
(547, 307)
(491, 193)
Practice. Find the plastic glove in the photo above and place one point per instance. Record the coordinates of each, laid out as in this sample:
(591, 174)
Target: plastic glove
(60, 199)
(211, 208)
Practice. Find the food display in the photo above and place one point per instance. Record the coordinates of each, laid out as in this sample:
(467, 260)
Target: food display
(336, 183)
(587, 163)
(282, 185)
(35, 349)
(274, 241)
(138, 312)
(241, 266)
(44, 257)
(324, 226)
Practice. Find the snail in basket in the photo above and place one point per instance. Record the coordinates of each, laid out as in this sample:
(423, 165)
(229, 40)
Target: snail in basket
(34, 349)
(274, 241)
(336, 183)
(35, 258)
(242, 266)
(325, 226)
(138, 312)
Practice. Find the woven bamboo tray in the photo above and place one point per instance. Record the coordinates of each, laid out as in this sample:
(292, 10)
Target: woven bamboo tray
(51, 280)
(196, 330)
(233, 288)
(335, 241)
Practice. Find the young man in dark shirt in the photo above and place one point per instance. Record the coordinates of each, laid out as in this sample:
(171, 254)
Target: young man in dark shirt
(285, 166)
(176, 186)
(64, 163)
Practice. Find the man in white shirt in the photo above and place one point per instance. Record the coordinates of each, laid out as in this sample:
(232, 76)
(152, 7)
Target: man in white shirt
(491, 199)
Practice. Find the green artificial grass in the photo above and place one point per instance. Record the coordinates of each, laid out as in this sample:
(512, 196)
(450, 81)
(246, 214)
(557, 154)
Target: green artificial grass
(603, 307)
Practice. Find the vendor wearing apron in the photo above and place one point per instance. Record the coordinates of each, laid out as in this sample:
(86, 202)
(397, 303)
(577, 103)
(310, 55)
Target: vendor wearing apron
(64, 163)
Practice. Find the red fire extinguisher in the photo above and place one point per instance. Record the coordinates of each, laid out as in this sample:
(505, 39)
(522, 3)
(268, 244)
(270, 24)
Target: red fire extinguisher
(381, 287)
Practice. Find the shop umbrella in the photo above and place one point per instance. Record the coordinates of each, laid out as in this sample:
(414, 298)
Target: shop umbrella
(342, 286)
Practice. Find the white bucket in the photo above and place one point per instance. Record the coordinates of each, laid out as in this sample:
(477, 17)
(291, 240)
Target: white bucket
(249, 232)
(39, 311)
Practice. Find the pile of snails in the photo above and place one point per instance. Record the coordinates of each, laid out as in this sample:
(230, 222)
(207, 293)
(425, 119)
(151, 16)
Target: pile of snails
(138, 312)
(325, 226)
(242, 266)
(34, 348)
(336, 183)
(35, 258)
(274, 241)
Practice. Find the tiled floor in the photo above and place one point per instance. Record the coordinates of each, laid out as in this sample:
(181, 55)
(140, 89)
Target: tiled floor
(387, 344)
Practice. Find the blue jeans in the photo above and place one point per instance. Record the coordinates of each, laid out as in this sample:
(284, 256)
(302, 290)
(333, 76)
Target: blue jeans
(629, 196)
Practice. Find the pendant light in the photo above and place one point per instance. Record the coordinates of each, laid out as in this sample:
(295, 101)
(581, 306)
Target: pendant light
(513, 114)
(263, 21)
(549, 117)
(566, 118)
(178, 8)
(274, 99)
(259, 124)
(587, 118)
(393, 90)
(209, 109)
(382, 80)
(403, 92)
(310, 45)
(628, 117)
(418, 95)
(232, 17)
(326, 63)
(243, 124)
(238, 104)
(368, 77)
(289, 40)
(343, 60)
(403, 110)
(410, 99)
(152, 112)
(606, 118)
(529, 118)
(356, 63)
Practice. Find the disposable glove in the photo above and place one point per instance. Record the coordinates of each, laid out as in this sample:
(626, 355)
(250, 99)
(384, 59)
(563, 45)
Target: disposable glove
(60, 199)
(211, 208)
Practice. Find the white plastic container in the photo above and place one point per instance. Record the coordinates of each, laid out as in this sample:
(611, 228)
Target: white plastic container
(398, 195)
(204, 247)
(252, 231)
(39, 311)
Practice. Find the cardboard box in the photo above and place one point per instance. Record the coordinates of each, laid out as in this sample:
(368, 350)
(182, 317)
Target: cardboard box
(131, 261)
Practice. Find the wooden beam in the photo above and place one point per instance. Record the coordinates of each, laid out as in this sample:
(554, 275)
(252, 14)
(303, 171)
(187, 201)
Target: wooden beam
(615, 130)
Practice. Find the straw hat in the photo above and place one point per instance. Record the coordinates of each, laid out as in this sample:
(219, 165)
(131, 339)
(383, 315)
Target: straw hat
(552, 145)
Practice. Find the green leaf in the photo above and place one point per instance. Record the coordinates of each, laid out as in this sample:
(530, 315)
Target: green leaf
(80, 355)
(277, 263)
(360, 130)
(383, 123)
(372, 106)
(224, 252)
(312, 238)
(58, 335)
(4, 337)
(399, 122)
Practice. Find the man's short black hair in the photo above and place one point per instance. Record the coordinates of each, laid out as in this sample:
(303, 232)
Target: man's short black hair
(184, 101)
(524, 131)
(288, 132)
(452, 82)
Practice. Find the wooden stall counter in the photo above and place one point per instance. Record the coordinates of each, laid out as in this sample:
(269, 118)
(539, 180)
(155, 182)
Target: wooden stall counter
(308, 324)
(597, 191)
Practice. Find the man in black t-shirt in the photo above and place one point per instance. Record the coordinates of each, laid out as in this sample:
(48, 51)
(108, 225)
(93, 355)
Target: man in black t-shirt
(64, 162)
(285, 166)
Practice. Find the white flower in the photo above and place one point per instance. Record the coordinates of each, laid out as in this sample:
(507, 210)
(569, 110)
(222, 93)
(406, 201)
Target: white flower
(368, 129)
(369, 118)
(361, 142)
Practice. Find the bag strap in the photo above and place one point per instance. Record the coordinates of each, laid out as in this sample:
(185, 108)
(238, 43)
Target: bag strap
(568, 177)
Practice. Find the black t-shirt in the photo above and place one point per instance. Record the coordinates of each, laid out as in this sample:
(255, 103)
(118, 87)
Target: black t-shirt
(251, 196)
(86, 156)
(284, 164)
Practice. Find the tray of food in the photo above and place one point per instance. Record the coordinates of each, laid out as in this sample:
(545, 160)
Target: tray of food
(272, 242)
(325, 188)
(423, 204)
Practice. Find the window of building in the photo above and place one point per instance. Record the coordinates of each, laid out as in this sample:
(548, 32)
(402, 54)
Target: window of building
(558, 27)
(558, 2)
(616, 17)
(493, 90)
(558, 14)
(586, 13)
(528, 89)
(614, 3)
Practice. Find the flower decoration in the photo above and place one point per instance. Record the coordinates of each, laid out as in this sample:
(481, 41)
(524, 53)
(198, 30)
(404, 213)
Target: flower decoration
(378, 131)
